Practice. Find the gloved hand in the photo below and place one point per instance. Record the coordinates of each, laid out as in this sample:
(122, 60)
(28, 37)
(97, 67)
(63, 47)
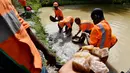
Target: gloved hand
(52, 19)
(88, 31)
(74, 36)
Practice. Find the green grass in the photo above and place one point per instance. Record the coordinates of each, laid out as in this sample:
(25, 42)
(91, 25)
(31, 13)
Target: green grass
(62, 2)
(40, 31)
(76, 2)
(35, 5)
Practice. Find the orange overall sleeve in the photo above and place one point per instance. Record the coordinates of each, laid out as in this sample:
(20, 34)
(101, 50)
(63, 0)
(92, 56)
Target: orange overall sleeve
(94, 36)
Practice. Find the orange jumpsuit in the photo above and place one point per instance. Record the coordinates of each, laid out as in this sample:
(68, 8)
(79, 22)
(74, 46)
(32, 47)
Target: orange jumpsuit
(22, 2)
(59, 14)
(68, 21)
(15, 41)
(85, 25)
(101, 35)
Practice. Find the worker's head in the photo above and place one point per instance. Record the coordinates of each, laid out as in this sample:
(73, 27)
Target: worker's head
(97, 15)
(55, 5)
(77, 21)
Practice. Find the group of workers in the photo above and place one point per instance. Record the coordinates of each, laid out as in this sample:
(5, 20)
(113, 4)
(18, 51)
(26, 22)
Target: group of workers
(19, 46)
(100, 33)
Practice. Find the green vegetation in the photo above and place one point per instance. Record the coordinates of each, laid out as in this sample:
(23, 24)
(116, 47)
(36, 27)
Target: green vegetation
(63, 2)
(74, 2)
(40, 30)
(121, 1)
(35, 4)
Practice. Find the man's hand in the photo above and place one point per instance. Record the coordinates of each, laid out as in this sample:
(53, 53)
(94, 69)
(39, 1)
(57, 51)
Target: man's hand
(67, 68)
(51, 59)
(74, 36)
(88, 31)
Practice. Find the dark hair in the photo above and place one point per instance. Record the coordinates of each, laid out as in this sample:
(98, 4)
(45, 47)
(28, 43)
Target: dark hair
(122, 72)
(56, 1)
(77, 20)
(97, 13)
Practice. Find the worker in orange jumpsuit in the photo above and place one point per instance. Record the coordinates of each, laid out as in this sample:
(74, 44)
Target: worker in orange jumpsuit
(23, 3)
(101, 34)
(18, 45)
(58, 12)
(85, 27)
(67, 22)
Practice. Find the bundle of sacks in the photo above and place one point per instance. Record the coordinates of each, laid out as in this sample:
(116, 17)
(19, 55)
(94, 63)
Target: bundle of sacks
(88, 60)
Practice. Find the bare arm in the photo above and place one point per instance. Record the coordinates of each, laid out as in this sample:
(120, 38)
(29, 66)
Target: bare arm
(88, 31)
(38, 44)
(67, 68)
(51, 59)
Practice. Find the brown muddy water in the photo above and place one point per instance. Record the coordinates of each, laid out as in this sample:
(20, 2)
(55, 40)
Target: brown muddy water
(117, 15)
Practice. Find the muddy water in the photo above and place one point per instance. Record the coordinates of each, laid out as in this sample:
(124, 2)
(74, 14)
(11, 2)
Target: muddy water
(117, 15)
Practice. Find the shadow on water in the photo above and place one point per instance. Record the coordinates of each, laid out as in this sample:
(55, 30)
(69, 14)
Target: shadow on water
(107, 8)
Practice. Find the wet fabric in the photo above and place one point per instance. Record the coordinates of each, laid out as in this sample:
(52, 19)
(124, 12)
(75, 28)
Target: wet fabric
(59, 14)
(101, 35)
(68, 21)
(22, 2)
(85, 25)
(14, 39)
